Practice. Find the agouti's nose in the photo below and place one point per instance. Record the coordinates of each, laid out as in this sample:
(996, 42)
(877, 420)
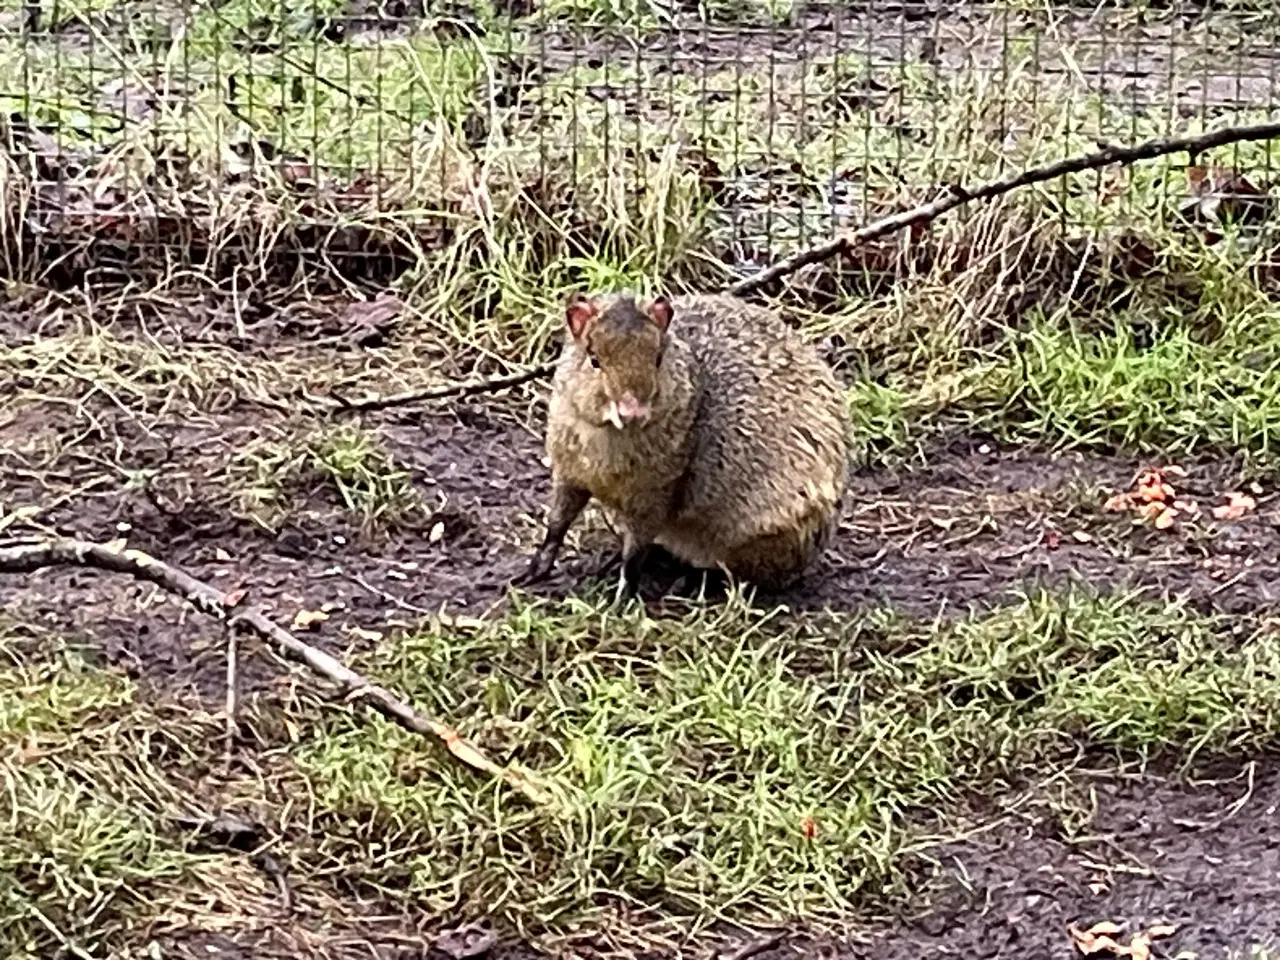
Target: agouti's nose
(629, 408)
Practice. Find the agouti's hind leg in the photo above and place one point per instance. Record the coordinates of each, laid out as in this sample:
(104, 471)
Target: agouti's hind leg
(633, 551)
(567, 503)
(773, 562)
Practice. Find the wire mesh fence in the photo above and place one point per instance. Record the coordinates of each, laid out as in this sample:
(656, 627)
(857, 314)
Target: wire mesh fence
(730, 131)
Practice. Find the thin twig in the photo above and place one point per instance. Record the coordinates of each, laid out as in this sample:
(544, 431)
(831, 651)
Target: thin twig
(465, 389)
(28, 557)
(233, 696)
(955, 196)
(278, 872)
(1214, 822)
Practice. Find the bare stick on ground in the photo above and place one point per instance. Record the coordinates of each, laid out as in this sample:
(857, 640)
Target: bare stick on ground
(956, 196)
(440, 393)
(233, 695)
(28, 557)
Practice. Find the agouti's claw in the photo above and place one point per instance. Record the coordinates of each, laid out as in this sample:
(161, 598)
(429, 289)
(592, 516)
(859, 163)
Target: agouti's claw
(539, 568)
(626, 588)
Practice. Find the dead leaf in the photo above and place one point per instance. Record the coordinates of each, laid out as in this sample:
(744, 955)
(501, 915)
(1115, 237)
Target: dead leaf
(1139, 947)
(233, 598)
(295, 172)
(1156, 491)
(1097, 939)
(306, 619)
(1160, 930)
(1237, 505)
(437, 532)
(1121, 501)
(1104, 928)
(1164, 520)
(1081, 536)
(1223, 194)
(1189, 507)
(1149, 511)
(360, 633)
(30, 750)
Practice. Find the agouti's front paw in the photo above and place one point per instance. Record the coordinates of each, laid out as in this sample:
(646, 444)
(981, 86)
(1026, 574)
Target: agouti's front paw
(539, 569)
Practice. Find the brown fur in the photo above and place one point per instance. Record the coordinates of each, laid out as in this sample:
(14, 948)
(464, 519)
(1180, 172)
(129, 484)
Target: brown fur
(741, 462)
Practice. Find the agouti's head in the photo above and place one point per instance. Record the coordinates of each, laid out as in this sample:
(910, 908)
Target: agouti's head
(620, 348)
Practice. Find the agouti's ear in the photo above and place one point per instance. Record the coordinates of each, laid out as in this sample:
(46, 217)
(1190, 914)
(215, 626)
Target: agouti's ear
(578, 313)
(660, 312)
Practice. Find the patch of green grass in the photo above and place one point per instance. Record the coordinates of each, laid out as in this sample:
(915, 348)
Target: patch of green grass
(349, 108)
(692, 753)
(84, 850)
(1197, 376)
(57, 14)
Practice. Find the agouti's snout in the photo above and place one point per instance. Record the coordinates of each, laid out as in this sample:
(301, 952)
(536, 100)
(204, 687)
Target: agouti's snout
(627, 409)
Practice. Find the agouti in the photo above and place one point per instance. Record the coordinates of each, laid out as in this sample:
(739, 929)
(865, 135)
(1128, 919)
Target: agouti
(703, 424)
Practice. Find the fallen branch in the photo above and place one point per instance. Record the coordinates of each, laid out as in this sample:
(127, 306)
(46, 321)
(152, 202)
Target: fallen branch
(28, 557)
(955, 196)
(958, 195)
(439, 393)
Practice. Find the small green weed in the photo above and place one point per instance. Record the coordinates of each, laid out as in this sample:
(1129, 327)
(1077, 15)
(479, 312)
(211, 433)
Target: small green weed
(362, 472)
(268, 477)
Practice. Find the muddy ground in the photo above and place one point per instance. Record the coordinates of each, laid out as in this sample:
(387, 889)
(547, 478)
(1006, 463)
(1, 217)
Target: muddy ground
(970, 525)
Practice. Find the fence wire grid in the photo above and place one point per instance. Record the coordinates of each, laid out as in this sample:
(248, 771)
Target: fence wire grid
(740, 128)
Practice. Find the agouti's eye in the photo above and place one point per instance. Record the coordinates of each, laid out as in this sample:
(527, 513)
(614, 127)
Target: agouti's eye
(595, 362)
